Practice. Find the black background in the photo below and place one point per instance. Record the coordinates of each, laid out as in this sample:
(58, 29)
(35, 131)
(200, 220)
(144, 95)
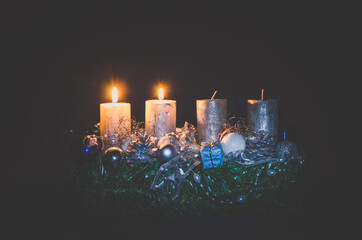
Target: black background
(61, 59)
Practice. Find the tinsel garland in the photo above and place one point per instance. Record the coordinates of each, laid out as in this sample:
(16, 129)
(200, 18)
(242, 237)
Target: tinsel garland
(230, 190)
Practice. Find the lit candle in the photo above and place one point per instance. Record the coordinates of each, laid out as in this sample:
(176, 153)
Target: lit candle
(115, 118)
(263, 115)
(160, 116)
(211, 115)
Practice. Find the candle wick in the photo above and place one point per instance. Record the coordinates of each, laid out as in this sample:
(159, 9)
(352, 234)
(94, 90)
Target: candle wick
(212, 98)
(262, 94)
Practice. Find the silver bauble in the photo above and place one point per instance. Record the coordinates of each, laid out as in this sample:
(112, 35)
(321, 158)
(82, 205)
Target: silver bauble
(166, 152)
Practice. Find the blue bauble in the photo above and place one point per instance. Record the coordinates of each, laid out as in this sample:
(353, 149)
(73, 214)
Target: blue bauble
(166, 152)
(113, 157)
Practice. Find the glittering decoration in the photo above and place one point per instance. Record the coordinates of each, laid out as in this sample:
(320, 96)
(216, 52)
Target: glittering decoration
(300, 160)
(196, 177)
(142, 149)
(113, 157)
(171, 176)
(189, 148)
(287, 149)
(260, 146)
(284, 134)
(271, 172)
(186, 135)
(240, 199)
(166, 152)
(92, 144)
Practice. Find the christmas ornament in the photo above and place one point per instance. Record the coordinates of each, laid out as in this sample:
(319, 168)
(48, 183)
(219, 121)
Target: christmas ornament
(92, 144)
(142, 149)
(92, 140)
(166, 152)
(189, 148)
(212, 155)
(233, 144)
(113, 157)
(197, 178)
(284, 134)
(81, 152)
(287, 149)
(186, 135)
(169, 138)
(241, 199)
(171, 176)
(271, 172)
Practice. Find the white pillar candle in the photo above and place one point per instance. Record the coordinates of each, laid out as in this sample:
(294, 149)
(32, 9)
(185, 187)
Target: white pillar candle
(211, 115)
(160, 116)
(115, 118)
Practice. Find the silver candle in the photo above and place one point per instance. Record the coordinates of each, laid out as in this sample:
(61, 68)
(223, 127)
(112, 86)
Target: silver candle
(263, 116)
(211, 115)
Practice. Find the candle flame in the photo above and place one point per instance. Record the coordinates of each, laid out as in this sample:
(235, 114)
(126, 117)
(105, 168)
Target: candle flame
(160, 94)
(114, 95)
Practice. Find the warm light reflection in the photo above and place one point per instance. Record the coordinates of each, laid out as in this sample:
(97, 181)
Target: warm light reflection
(160, 94)
(114, 95)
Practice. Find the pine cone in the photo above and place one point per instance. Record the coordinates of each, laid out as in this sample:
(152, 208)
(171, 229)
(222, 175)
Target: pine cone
(142, 149)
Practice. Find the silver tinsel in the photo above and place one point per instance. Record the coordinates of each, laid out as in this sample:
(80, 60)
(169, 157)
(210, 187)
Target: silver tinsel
(287, 148)
(171, 176)
(189, 149)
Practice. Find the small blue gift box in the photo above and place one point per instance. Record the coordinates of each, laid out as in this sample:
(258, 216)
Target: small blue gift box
(212, 155)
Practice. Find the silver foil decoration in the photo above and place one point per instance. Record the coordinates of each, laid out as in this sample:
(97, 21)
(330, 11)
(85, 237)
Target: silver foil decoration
(211, 116)
(171, 176)
(263, 116)
(189, 149)
(286, 149)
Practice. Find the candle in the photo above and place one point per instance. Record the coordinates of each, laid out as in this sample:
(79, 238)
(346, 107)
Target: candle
(263, 115)
(160, 117)
(211, 115)
(115, 118)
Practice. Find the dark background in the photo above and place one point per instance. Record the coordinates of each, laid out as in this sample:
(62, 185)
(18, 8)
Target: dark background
(61, 60)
